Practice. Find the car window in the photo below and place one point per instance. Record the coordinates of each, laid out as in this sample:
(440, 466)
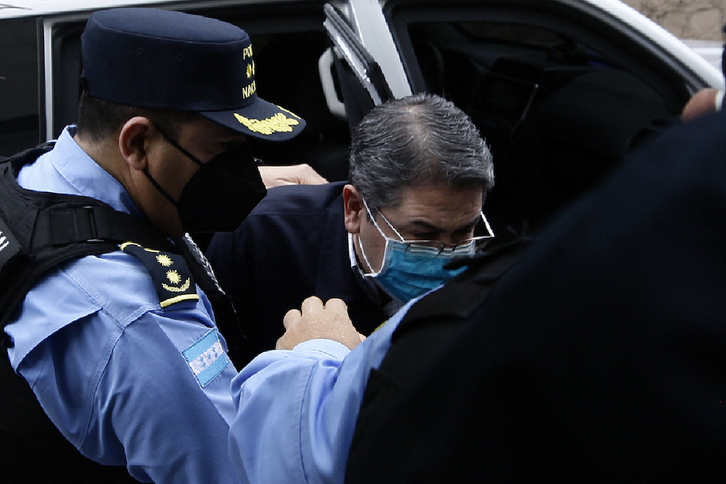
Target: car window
(559, 103)
(18, 86)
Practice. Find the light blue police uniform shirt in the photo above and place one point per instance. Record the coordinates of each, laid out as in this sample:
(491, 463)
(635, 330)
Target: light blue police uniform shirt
(301, 406)
(126, 382)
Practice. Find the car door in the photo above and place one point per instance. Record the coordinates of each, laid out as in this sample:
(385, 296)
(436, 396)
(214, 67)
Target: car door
(359, 76)
(364, 57)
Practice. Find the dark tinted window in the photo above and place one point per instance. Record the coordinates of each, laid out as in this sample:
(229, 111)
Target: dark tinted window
(559, 104)
(19, 122)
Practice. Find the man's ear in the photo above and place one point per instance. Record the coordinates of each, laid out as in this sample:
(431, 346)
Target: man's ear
(133, 141)
(355, 211)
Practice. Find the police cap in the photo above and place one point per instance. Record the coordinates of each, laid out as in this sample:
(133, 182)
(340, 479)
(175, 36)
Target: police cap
(164, 59)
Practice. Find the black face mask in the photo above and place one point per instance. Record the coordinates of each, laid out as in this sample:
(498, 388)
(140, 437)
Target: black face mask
(221, 193)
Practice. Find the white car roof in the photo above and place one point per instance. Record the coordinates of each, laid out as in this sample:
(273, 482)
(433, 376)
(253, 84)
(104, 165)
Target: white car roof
(32, 8)
(661, 37)
(613, 8)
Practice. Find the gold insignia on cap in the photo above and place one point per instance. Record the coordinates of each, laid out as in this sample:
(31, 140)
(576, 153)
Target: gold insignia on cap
(249, 90)
(250, 70)
(279, 123)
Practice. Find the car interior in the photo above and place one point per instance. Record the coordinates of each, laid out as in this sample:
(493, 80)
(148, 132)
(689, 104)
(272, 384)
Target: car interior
(19, 120)
(559, 103)
(559, 100)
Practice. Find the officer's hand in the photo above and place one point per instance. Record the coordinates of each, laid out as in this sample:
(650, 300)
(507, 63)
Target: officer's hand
(702, 103)
(318, 321)
(274, 176)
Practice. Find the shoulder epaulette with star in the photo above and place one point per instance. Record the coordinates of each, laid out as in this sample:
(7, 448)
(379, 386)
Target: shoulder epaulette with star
(169, 272)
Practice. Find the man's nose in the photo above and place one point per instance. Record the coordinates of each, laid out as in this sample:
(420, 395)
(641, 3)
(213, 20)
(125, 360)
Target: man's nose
(449, 240)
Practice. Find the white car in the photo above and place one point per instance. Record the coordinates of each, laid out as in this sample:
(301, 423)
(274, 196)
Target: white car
(561, 89)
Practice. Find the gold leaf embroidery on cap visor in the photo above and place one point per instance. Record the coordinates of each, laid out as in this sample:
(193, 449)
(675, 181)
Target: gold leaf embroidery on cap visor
(279, 123)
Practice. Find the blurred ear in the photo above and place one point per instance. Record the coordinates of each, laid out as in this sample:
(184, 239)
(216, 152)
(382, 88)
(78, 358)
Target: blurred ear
(355, 210)
(133, 141)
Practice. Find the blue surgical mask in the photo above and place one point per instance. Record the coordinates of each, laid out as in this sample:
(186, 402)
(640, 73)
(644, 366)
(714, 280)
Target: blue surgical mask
(409, 270)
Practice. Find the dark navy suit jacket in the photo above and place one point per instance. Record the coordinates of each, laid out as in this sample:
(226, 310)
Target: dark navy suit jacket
(293, 245)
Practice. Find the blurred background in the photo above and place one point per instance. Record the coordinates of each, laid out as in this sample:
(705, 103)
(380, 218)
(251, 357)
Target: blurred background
(697, 22)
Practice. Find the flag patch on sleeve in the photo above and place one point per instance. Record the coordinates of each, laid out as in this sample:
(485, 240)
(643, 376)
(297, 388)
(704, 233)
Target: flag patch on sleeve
(207, 358)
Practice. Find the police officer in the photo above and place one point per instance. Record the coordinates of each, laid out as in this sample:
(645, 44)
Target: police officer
(121, 349)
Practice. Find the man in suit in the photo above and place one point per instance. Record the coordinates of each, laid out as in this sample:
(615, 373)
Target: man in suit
(419, 171)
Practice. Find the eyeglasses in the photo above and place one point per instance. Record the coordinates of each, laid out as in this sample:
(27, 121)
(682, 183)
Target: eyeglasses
(434, 248)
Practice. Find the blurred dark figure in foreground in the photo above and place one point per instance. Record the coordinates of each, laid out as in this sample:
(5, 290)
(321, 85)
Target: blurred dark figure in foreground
(599, 357)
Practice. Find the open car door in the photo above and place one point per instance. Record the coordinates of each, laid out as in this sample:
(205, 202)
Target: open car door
(361, 81)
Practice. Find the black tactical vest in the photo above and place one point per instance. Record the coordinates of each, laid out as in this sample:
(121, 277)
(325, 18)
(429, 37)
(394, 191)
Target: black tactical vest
(38, 230)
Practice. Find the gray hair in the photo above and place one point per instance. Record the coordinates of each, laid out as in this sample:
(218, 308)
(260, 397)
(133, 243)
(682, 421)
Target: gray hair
(413, 142)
